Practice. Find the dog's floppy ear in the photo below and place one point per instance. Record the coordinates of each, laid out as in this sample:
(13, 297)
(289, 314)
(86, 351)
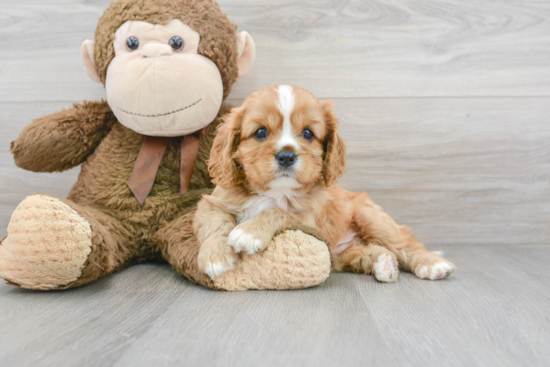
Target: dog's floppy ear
(335, 147)
(222, 165)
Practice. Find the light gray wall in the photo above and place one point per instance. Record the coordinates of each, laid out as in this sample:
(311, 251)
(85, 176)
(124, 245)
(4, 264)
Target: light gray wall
(445, 104)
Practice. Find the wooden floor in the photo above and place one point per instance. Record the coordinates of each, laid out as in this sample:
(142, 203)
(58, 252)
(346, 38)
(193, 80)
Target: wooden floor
(492, 312)
(445, 105)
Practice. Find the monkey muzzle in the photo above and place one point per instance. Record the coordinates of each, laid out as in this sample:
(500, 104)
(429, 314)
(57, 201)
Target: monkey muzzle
(158, 92)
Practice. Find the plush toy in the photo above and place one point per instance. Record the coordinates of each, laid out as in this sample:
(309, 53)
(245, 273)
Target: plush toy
(167, 66)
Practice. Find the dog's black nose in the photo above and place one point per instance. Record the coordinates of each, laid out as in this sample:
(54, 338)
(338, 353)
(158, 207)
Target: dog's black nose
(286, 158)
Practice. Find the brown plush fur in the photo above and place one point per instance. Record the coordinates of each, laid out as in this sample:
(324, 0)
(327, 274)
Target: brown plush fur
(72, 135)
(122, 228)
(218, 42)
(123, 231)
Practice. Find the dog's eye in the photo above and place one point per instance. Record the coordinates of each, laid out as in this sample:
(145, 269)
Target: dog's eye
(261, 134)
(308, 134)
(132, 43)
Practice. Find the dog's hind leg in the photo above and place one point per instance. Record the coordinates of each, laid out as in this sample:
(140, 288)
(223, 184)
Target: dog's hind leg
(368, 259)
(376, 226)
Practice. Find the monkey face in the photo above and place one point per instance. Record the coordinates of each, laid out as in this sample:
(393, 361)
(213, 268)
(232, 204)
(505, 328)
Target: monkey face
(157, 84)
(167, 65)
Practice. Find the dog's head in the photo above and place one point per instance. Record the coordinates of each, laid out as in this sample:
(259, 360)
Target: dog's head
(282, 138)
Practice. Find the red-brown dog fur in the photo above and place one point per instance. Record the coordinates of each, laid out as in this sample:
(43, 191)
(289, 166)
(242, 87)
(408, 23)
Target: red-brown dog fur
(257, 197)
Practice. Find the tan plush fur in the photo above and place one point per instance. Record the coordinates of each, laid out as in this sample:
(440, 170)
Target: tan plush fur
(47, 245)
(43, 249)
(291, 261)
(257, 198)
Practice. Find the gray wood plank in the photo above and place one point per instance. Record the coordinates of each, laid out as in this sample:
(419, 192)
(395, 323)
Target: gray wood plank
(490, 314)
(492, 311)
(315, 327)
(335, 48)
(95, 323)
(456, 170)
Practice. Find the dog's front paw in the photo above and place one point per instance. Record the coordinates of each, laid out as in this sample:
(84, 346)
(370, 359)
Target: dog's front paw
(245, 238)
(215, 258)
(434, 270)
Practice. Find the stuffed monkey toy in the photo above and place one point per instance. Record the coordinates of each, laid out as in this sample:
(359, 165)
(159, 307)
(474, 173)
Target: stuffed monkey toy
(167, 66)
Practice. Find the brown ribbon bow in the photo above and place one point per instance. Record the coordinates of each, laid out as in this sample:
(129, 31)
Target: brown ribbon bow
(148, 162)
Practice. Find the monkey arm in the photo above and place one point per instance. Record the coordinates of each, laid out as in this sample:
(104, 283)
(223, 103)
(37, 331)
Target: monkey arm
(63, 139)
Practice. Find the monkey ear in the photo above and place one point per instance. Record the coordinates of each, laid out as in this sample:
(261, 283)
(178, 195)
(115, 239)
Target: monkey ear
(222, 165)
(335, 146)
(87, 54)
(247, 52)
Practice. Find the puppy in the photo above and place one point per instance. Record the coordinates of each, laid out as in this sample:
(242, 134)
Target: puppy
(275, 161)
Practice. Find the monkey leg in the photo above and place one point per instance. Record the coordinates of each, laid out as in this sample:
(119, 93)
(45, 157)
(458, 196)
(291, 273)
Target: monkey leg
(178, 245)
(292, 260)
(57, 244)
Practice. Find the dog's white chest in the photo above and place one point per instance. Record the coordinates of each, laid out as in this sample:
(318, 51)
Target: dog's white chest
(281, 195)
(258, 204)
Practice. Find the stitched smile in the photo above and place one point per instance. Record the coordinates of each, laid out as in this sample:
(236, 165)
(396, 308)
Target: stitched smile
(162, 114)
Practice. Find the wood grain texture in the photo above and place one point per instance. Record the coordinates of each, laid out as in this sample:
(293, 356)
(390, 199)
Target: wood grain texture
(459, 170)
(492, 311)
(335, 48)
(456, 170)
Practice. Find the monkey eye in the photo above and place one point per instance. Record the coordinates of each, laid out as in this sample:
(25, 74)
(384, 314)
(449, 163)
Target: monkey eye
(132, 43)
(261, 133)
(308, 134)
(176, 43)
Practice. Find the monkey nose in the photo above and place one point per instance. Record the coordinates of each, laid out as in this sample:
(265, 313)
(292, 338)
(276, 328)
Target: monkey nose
(156, 50)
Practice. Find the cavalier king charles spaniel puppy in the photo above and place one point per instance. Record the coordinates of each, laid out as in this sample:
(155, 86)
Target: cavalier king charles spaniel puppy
(275, 161)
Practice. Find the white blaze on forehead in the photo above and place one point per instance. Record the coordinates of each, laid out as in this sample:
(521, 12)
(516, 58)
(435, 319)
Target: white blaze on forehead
(286, 106)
